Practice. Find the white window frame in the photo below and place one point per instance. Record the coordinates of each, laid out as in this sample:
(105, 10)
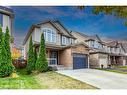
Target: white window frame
(63, 40)
(91, 44)
(48, 35)
(96, 44)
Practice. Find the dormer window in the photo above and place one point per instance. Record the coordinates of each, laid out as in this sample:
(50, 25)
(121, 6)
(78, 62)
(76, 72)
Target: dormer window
(49, 35)
(67, 41)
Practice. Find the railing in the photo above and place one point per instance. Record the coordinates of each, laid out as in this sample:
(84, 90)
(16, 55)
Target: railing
(52, 61)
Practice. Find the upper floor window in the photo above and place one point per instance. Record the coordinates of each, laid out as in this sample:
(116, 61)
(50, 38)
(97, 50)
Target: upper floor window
(112, 49)
(63, 40)
(67, 41)
(96, 44)
(121, 50)
(49, 35)
(72, 41)
(91, 43)
(108, 49)
(117, 50)
(1, 19)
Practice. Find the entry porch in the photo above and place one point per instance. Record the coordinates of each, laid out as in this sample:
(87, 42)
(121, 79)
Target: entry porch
(54, 56)
(118, 60)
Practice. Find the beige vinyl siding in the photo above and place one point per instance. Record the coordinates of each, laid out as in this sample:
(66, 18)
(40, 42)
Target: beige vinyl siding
(6, 22)
(37, 34)
(26, 48)
(39, 31)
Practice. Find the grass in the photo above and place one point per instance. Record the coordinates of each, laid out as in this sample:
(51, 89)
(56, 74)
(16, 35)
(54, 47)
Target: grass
(123, 67)
(22, 82)
(55, 80)
(110, 70)
(51, 80)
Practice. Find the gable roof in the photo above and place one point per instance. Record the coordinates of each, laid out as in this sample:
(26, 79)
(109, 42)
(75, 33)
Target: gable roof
(117, 44)
(124, 45)
(57, 21)
(49, 21)
(29, 32)
(38, 25)
(112, 43)
(87, 38)
(77, 44)
(7, 11)
(81, 34)
(94, 37)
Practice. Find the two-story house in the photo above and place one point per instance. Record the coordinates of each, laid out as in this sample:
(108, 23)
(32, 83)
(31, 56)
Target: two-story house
(102, 53)
(117, 53)
(6, 19)
(61, 49)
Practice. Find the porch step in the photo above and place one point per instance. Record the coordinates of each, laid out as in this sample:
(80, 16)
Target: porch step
(61, 67)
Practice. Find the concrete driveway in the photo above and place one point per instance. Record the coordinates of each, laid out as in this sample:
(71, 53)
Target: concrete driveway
(98, 78)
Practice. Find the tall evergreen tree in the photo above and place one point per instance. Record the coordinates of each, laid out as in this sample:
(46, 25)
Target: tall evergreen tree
(7, 48)
(31, 57)
(5, 68)
(42, 63)
(35, 57)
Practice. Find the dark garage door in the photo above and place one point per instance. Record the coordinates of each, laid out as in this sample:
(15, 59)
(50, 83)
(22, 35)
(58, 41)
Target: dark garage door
(80, 61)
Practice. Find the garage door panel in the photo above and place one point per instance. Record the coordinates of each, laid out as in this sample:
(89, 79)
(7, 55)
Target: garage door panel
(104, 62)
(79, 61)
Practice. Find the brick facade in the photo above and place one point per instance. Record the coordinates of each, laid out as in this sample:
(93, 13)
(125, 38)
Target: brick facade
(66, 56)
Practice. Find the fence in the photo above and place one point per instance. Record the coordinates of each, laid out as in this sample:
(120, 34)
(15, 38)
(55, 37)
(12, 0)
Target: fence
(19, 63)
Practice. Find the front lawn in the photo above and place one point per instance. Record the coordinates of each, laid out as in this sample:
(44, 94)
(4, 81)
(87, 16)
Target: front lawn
(55, 80)
(51, 80)
(24, 81)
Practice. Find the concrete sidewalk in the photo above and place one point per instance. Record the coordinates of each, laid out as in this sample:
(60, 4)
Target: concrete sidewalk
(98, 78)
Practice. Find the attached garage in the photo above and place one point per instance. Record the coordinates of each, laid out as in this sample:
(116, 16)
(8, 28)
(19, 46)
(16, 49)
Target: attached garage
(80, 61)
(74, 57)
(97, 60)
(103, 60)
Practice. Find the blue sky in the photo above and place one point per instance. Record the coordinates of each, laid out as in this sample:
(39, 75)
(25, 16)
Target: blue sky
(73, 19)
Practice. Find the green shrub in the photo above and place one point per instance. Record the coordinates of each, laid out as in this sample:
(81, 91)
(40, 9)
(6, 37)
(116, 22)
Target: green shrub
(31, 58)
(42, 63)
(35, 57)
(8, 51)
(6, 67)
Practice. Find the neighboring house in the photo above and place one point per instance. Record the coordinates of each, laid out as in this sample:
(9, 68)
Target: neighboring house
(6, 19)
(61, 49)
(102, 53)
(21, 48)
